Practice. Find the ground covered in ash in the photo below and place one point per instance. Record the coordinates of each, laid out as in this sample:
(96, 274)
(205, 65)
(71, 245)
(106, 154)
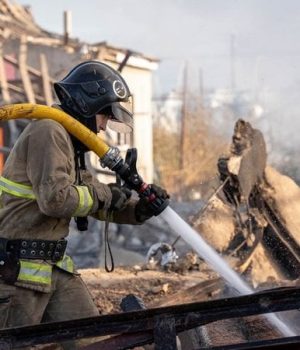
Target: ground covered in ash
(153, 287)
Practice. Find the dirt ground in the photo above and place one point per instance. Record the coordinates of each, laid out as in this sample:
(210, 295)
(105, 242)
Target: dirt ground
(151, 286)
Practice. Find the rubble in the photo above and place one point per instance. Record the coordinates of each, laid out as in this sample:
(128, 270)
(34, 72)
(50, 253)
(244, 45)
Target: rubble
(283, 194)
(236, 221)
(233, 222)
(163, 254)
(216, 224)
(239, 220)
(153, 287)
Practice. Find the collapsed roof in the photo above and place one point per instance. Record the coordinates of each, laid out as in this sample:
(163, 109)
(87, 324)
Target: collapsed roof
(17, 21)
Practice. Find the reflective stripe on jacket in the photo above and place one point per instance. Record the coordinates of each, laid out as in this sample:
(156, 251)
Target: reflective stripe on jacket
(24, 191)
(40, 272)
(85, 201)
(15, 189)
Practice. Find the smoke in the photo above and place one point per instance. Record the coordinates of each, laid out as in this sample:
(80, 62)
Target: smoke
(265, 56)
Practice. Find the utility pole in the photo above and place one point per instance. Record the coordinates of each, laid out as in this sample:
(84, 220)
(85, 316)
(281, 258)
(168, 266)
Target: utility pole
(183, 118)
(67, 26)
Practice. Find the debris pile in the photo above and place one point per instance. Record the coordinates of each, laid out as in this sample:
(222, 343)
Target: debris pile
(155, 288)
(254, 217)
(252, 220)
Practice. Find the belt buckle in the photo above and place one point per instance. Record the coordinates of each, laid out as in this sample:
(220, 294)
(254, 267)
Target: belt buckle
(59, 250)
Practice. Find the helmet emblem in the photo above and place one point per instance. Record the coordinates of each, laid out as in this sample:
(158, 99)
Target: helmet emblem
(119, 89)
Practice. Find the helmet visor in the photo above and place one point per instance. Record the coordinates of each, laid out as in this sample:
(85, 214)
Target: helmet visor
(122, 117)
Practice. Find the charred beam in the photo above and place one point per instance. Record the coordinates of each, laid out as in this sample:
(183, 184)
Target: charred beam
(122, 342)
(186, 316)
(125, 60)
(164, 333)
(281, 245)
(35, 72)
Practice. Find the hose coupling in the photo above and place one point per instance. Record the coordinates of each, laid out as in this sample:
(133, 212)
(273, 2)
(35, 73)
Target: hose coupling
(111, 158)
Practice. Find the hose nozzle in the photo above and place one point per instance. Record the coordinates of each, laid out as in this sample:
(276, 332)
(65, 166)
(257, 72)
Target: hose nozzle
(128, 173)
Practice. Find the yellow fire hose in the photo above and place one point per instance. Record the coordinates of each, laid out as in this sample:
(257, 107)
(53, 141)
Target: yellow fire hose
(33, 111)
(109, 155)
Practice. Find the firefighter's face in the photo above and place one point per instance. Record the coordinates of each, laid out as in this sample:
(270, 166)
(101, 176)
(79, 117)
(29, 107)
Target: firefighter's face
(101, 120)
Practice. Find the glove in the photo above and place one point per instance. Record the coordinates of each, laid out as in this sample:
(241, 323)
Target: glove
(120, 196)
(143, 208)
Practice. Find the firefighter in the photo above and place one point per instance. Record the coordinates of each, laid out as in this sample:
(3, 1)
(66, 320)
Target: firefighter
(44, 184)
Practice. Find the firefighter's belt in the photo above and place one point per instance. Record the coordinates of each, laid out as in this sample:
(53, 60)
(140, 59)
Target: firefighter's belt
(37, 249)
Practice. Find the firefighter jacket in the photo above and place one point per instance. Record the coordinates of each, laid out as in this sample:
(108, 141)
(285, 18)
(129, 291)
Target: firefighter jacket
(39, 196)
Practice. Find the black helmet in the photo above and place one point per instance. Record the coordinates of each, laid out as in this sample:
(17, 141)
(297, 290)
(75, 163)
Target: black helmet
(93, 87)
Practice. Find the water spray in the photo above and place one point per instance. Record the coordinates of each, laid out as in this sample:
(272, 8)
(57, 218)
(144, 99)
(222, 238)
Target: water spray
(193, 239)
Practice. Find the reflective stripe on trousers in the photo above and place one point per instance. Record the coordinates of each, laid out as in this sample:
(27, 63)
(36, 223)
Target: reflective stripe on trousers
(41, 272)
(35, 272)
(66, 264)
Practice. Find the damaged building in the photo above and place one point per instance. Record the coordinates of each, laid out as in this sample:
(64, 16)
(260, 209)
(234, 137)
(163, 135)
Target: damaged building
(31, 59)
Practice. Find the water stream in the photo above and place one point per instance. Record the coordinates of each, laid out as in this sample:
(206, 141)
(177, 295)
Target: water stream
(204, 250)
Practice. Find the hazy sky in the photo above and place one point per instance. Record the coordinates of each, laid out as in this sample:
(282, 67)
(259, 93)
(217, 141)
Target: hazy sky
(267, 32)
(267, 46)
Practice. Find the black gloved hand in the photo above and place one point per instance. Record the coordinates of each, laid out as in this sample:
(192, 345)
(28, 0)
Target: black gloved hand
(143, 208)
(120, 196)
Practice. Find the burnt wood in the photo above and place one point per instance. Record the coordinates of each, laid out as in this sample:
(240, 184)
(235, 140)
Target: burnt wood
(185, 316)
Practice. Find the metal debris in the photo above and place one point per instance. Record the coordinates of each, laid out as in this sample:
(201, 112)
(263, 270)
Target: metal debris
(163, 254)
